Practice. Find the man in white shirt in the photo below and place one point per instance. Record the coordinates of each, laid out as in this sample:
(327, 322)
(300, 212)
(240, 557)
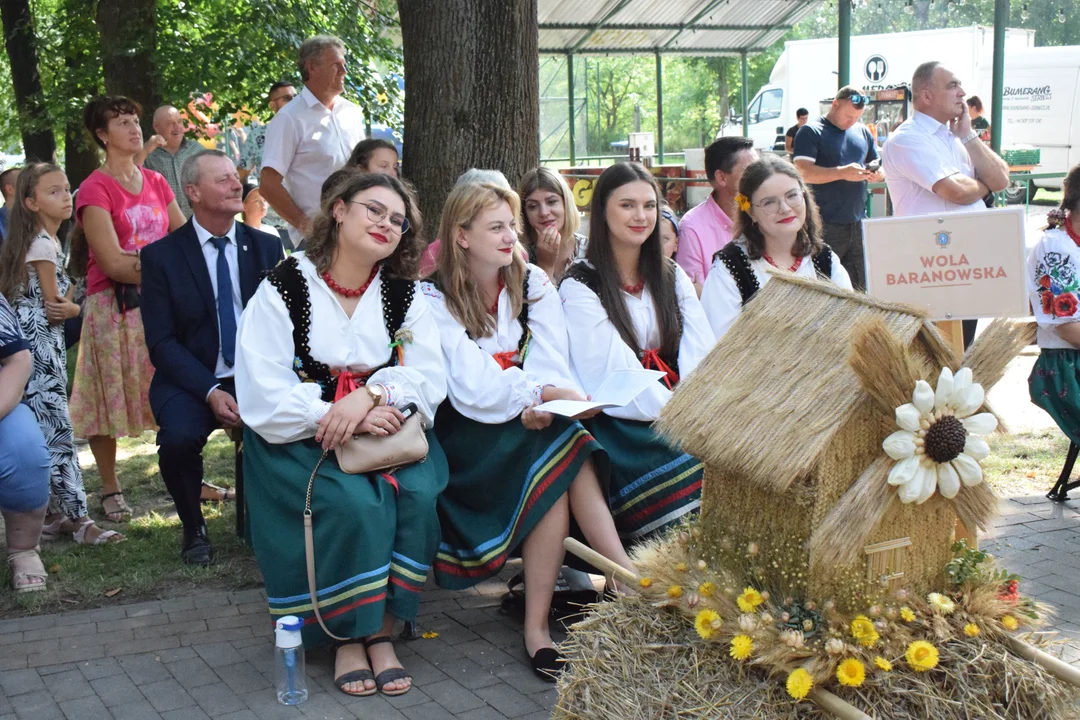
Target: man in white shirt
(310, 137)
(934, 162)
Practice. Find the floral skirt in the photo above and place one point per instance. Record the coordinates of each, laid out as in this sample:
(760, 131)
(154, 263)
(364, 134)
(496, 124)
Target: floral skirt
(113, 372)
(1054, 385)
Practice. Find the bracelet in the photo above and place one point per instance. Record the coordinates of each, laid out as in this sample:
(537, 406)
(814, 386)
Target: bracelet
(969, 137)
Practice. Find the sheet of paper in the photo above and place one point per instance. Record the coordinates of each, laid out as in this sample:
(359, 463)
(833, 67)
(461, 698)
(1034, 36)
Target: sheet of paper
(620, 389)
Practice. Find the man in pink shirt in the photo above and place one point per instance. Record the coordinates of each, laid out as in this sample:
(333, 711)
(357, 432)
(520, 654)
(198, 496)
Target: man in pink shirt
(708, 227)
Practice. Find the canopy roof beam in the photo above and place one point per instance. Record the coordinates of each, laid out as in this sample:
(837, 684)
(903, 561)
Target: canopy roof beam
(619, 6)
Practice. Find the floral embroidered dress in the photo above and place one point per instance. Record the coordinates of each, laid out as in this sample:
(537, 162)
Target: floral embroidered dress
(46, 393)
(1053, 282)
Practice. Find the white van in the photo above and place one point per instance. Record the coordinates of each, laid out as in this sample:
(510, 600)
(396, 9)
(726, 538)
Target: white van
(805, 73)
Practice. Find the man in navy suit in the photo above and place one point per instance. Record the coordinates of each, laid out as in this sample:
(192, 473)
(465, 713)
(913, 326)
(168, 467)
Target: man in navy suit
(195, 283)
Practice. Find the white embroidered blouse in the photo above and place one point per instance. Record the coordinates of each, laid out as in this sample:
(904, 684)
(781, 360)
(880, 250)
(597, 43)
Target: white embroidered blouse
(1053, 285)
(275, 403)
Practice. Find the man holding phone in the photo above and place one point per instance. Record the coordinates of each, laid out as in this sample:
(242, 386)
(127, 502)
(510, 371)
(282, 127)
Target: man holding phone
(837, 157)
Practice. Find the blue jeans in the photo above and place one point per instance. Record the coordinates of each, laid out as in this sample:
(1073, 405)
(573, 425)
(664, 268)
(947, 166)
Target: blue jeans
(24, 462)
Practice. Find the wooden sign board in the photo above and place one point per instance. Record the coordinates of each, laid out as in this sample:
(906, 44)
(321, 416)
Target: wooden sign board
(956, 266)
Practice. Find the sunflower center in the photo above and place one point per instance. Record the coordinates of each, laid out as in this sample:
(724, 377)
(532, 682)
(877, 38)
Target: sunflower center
(945, 439)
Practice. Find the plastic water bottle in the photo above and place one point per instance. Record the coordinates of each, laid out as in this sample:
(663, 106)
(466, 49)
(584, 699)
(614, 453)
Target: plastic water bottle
(289, 661)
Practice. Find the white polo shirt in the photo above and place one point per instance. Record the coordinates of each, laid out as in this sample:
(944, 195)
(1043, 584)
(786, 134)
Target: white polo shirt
(919, 153)
(305, 142)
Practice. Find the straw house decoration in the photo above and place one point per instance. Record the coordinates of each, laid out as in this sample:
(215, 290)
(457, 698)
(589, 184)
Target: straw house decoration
(789, 413)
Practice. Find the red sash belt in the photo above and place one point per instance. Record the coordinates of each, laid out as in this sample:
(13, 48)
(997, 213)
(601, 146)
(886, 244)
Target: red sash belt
(651, 360)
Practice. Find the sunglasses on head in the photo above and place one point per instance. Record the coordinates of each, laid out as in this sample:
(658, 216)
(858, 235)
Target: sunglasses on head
(857, 100)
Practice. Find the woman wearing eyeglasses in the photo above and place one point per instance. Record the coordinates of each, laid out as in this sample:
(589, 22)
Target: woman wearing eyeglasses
(778, 227)
(339, 341)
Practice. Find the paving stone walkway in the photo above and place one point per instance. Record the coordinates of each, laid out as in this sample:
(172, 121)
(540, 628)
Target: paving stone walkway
(209, 655)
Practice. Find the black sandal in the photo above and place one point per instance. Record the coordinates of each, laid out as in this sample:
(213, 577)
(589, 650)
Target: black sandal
(354, 675)
(547, 663)
(390, 674)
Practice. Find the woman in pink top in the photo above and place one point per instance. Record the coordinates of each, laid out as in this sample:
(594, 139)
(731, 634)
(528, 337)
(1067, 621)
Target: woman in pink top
(121, 208)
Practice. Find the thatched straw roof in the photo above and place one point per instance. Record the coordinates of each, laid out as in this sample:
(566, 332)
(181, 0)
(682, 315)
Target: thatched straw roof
(771, 395)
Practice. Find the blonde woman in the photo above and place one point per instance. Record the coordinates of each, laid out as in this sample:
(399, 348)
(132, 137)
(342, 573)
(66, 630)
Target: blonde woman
(504, 343)
(550, 222)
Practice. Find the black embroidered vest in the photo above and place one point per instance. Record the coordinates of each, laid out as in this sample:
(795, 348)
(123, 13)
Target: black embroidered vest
(737, 263)
(397, 296)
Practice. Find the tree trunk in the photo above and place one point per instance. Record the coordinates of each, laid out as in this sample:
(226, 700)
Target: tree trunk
(472, 97)
(128, 31)
(21, 42)
(81, 81)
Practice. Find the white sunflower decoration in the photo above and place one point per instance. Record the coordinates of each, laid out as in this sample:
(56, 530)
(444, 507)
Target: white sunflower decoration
(940, 440)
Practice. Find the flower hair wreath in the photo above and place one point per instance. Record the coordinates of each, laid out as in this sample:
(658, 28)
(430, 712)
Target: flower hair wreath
(743, 202)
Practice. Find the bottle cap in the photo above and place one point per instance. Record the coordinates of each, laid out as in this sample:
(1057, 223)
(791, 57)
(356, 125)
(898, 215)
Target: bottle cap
(287, 632)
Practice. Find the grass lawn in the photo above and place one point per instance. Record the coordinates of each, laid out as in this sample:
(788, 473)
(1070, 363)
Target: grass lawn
(148, 566)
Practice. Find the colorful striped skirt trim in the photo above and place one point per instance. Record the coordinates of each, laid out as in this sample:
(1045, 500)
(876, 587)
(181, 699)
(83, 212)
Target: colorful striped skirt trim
(652, 485)
(495, 498)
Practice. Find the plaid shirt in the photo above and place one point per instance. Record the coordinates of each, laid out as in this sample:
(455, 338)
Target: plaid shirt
(168, 164)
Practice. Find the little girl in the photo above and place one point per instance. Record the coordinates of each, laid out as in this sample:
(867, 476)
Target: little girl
(32, 278)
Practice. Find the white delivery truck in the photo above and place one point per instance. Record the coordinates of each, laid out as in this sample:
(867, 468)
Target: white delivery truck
(806, 71)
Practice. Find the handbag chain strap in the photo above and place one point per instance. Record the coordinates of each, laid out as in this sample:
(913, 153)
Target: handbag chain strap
(309, 550)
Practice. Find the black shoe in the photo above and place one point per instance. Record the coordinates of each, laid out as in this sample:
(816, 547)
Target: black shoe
(547, 663)
(197, 549)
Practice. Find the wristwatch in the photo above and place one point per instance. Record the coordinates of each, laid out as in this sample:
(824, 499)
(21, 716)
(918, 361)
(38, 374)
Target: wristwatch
(969, 137)
(377, 393)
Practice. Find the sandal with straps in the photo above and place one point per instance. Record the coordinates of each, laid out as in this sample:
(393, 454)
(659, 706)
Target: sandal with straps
(122, 508)
(103, 537)
(390, 674)
(354, 676)
(26, 566)
(223, 494)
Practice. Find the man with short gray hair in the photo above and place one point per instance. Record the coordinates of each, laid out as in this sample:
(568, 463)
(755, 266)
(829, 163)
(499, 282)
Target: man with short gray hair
(168, 149)
(310, 137)
(195, 283)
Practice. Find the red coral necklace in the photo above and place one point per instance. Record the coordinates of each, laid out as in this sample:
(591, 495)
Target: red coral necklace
(633, 289)
(350, 292)
(1069, 229)
(794, 266)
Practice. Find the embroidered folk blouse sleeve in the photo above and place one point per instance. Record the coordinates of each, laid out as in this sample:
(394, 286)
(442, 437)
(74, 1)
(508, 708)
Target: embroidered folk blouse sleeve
(697, 336)
(721, 300)
(596, 349)
(272, 400)
(422, 377)
(1053, 284)
(840, 275)
(548, 360)
(477, 386)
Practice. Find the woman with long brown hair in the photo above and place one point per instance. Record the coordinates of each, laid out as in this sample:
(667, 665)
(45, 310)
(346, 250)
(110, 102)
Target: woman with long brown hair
(504, 342)
(550, 222)
(777, 227)
(628, 307)
(339, 341)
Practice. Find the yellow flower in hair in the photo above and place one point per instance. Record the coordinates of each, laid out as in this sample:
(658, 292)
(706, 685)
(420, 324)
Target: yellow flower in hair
(907, 614)
(706, 589)
(922, 656)
(706, 623)
(971, 630)
(799, 683)
(1009, 622)
(742, 647)
(675, 591)
(882, 664)
(743, 202)
(851, 673)
(749, 600)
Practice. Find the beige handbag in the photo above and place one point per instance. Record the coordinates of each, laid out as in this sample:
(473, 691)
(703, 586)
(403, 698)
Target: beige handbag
(364, 454)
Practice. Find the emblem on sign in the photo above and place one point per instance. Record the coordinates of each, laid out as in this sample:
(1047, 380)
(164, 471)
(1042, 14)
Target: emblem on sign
(943, 238)
(875, 69)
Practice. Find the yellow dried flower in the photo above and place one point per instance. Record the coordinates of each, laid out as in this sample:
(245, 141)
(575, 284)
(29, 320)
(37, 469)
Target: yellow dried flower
(1010, 623)
(882, 664)
(942, 603)
(863, 630)
(907, 614)
(749, 600)
(851, 673)
(680, 567)
(971, 630)
(429, 635)
(742, 647)
(706, 589)
(799, 683)
(645, 582)
(743, 202)
(706, 623)
(674, 591)
(922, 656)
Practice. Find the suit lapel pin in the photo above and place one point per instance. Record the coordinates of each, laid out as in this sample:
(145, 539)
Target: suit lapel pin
(245, 248)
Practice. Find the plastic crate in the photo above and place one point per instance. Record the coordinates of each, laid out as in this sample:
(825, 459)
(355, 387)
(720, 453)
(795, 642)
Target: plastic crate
(1021, 156)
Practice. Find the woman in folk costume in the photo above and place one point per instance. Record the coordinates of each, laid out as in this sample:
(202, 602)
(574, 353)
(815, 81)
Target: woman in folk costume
(516, 474)
(335, 343)
(778, 227)
(626, 306)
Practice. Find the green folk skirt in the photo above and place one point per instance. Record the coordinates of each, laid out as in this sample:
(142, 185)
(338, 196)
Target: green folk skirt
(652, 485)
(1054, 385)
(503, 479)
(373, 541)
